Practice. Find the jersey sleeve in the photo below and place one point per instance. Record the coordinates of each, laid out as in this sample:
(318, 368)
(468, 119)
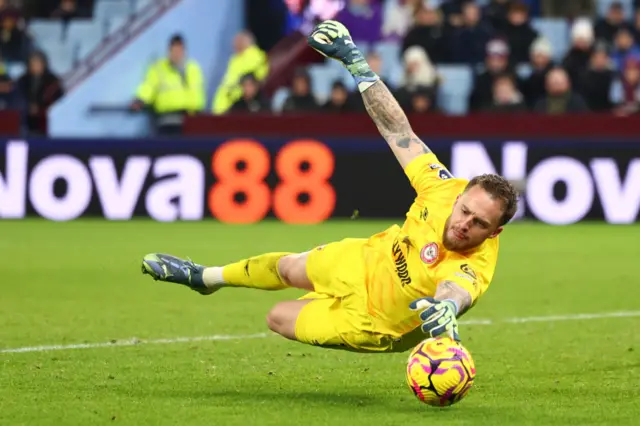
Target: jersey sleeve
(472, 277)
(436, 188)
(428, 175)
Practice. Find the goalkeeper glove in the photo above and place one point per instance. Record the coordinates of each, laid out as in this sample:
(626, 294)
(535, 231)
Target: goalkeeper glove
(438, 317)
(332, 39)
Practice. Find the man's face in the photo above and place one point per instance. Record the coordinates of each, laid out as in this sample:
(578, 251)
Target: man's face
(497, 63)
(624, 40)
(339, 96)
(540, 60)
(503, 91)
(300, 86)
(471, 14)
(599, 60)
(615, 15)
(517, 17)
(176, 53)
(249, 88)
(475, 217)
(557, 83)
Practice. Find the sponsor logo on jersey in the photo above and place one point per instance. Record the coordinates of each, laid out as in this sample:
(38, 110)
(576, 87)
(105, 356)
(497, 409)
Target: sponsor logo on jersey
(424, 214)
(429, 253)
(467, 270)
(401, 264)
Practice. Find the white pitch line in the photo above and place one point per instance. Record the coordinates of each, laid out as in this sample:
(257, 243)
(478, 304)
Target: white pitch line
(135, 341)
(220, 337)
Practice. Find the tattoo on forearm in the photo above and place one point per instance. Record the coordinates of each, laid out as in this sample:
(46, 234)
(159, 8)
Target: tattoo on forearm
(451, 290)
(391, 121)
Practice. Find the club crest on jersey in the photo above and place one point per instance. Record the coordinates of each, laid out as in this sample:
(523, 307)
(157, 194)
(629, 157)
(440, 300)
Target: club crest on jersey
(444, 174)
(429, 253)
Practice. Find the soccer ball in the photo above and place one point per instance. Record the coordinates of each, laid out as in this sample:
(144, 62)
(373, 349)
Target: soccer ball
(440, 371)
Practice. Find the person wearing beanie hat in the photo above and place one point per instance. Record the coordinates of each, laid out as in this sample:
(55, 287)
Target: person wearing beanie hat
(497, 63)
(541, 54)
(577, 59)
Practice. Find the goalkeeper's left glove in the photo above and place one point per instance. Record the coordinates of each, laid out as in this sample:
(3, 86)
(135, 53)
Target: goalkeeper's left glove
(438, 317)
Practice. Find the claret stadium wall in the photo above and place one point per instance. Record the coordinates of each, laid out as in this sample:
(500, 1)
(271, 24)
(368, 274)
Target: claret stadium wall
(308, 169)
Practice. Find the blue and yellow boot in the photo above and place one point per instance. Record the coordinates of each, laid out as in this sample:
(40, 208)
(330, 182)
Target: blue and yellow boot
(172, 269)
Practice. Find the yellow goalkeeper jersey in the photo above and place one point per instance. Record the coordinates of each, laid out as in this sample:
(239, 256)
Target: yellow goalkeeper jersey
(408, 262)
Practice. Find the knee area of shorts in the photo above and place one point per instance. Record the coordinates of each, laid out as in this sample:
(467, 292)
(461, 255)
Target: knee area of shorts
(277, 318)
(272, 320)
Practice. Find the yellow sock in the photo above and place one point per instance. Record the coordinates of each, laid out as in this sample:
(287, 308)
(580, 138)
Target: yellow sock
(256, 272)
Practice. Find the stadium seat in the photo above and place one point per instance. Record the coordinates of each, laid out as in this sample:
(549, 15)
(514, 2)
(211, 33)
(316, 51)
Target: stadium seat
(322, 78)
(279, 98)
(556, 30)
(616, 94)
(16, 69)
(85, 35)
(116, 23)
(60, 56)
(523, 70)
(603, 5)
(107, 9)
(455, 87)
(46, 29)
(390, 53)
(141, 5)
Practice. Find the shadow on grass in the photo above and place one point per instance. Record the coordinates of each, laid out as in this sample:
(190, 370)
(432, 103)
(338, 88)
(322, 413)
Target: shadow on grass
(302, 399)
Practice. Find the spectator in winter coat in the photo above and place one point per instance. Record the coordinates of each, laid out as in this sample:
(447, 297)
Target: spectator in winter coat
(496, 64)
(301, 99)
(422, 101)
(429, 32)
(533, 87)
(630, 88)
(252, 99)
(560, 99)
(419, 73)
(577, 59)
(471, 37)
(519, 33)
(624, 47)
(338, 100)
(496, 13)
(506, 97)
(38, 88)
(607, 27)
(595, 85)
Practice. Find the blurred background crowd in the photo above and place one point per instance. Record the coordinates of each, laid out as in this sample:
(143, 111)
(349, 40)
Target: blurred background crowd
(451, 57)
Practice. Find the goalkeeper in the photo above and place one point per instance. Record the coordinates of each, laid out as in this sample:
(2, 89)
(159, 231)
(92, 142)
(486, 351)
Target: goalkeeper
(386, 292)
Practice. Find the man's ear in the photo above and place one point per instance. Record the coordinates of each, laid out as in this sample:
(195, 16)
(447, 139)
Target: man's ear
(496, 232)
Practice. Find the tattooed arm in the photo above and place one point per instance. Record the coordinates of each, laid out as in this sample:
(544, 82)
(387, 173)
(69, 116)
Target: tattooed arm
(452, 291)
(392, 123)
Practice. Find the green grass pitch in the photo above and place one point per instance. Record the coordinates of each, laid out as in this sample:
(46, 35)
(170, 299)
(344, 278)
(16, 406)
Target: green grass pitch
(80, 282)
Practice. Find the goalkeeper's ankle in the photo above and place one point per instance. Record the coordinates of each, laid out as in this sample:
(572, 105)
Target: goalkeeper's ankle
(212, 277)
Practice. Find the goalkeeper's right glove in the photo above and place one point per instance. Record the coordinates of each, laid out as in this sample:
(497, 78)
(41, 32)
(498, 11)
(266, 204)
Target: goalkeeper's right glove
(332, 39)
(438, 317)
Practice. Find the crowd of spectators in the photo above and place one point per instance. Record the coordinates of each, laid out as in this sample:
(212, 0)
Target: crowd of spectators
(515, 68)
(36, 88)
